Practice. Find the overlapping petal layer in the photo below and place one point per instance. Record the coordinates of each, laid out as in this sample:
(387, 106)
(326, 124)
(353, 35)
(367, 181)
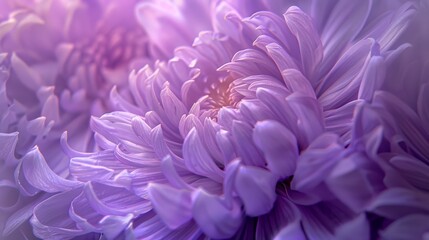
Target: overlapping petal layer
(273, 124)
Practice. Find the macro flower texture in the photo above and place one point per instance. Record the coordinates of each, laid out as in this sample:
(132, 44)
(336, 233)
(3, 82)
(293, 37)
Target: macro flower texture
(223, 119)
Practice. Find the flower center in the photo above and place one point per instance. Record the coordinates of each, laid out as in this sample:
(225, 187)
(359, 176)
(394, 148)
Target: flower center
(221, 94)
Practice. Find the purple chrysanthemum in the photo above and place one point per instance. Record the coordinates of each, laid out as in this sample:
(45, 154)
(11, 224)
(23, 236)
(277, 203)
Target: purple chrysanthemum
(244, 134)
(60, 60)
(283, 125)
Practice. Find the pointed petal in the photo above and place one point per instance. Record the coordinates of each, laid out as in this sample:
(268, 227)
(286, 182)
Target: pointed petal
(373, 78)
(296, 82)
(173, 107)
(309, 42)
(408, 121)
(89, 168)
(399, 202)
(344, 23)
(26, 74)
(422, 104)
(340, 120)
(39, 174)
(342, 83)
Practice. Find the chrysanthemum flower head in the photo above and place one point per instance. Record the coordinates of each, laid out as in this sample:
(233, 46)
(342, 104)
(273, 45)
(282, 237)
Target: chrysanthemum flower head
(235, 136)
(268, 126)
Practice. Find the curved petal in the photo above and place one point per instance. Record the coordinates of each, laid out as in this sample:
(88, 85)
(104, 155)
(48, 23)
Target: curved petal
(256, 188)
(173, 206)
(51, 220)
(353, 183)
(198, 160)
(355, 229)
(316, 162)
(39, 175)
(422, 105)
(111, 200)
(309, 124)
(296, 82)
(8, 142)
(344, 23)
(413, 170)
(309, 42)
(343, 81)
(409, 227)
(399, 202)
(373, 78)
(279, 146)
(214, 217)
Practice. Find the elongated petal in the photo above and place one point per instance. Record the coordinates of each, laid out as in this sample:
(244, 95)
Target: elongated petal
(309, 124)
(50, 219)
(8, 142)
(343, 81)
(397, 202)
(39, 175)
(373, 78)
(344, 23)
(197, 158)
(115, 200)
(296, 82)
(413, 170)
(309, 42)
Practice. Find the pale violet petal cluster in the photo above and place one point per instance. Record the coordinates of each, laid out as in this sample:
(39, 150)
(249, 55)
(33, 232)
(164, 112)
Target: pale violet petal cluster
(281, 120)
